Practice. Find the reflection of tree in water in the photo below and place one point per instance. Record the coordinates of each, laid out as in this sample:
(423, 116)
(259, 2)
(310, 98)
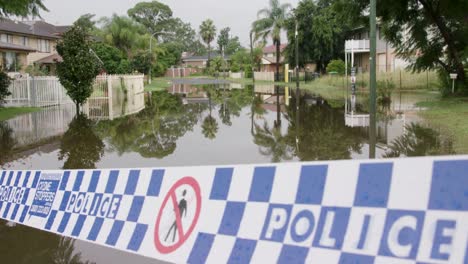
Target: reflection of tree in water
(80, 146)
(7, 142)
(419, 141)
(320, 131)
(210, 125)
(272, 143)
(154, 131)
(22, 244)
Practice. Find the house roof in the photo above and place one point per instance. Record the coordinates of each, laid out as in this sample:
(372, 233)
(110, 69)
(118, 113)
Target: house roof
(272, 60)
(15, 47)
(272, 48)
(54, 58)
(34, 28)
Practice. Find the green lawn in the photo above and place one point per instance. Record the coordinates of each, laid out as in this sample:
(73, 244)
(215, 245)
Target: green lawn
(451, 116)
(10, 112)
(158, 84)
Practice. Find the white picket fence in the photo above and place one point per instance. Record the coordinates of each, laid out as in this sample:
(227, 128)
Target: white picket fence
(264, 76)
(37, 91)
(113, 95)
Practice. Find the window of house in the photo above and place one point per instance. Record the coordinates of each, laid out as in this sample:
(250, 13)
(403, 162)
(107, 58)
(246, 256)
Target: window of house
(24, 41)
(43, 45)
(6, 38)
(10, 61)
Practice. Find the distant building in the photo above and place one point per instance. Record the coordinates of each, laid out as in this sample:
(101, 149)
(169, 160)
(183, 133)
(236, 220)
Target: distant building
(387, 60)
(269, 58)
(24, 43)
(196, 61)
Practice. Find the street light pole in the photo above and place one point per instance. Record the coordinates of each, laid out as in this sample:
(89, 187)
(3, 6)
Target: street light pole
(372, 81)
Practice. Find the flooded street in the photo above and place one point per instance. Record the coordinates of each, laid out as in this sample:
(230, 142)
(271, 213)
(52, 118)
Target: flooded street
(198, 125)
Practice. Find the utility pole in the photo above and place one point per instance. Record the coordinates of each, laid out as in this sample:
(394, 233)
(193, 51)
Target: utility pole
(372, 81)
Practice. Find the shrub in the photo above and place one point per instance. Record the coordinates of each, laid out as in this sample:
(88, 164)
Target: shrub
(4, 83)
(336, 66)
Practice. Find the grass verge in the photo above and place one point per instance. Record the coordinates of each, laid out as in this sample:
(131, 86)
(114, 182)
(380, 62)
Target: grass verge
(158, 84)
(10, 112)
(450, 115)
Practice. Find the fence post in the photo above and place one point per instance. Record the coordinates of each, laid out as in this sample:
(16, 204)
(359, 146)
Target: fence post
(28, 89)
(109, 96)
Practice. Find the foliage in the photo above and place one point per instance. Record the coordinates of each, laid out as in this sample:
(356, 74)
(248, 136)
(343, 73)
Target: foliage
(80, 146)
(183, 35)
(79, 67)
(384, 91)
(7, 142)
(36, 70)
(122, 33)
(155, 16)
(321, 34)
(419, 141)
(208, 33)
(336, 66)
(141, 62)
(223, 39)
(4, 84)
(21, 8)
(114, 61)
(233, 45)
(216, 64)
(432, 34)
(86, 22)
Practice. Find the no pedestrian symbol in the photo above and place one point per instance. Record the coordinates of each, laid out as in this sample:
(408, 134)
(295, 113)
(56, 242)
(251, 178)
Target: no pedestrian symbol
(178, 215)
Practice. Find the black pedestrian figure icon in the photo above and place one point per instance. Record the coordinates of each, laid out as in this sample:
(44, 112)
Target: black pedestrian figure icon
(182, 211)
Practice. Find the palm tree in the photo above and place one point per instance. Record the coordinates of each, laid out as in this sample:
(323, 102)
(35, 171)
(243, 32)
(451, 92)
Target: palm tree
(208, 33)
(270, 23)
(210, 125)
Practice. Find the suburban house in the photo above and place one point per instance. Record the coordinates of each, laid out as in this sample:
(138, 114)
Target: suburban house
(269, 58)
(24, 43)
(359, 48)
(195, 61)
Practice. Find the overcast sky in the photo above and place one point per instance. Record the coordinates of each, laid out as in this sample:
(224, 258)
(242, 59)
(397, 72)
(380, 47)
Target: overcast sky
(236, 14)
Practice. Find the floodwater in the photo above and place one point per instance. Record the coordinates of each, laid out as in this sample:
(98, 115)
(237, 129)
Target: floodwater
(200, 125)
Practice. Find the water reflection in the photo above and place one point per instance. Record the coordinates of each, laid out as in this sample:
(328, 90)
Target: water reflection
(41, 247)
(80, 147)
(419, 141)
(7, 141)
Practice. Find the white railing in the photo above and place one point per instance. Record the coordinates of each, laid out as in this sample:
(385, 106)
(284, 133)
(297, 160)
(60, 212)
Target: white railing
(357, 45)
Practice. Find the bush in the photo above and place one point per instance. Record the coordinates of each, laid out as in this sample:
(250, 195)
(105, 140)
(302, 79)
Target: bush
(235, 67)
(336, 66)
(384, 91)
(4, 83)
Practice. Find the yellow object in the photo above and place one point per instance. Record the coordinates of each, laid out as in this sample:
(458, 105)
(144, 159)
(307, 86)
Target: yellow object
(286, 96)
(286, 73)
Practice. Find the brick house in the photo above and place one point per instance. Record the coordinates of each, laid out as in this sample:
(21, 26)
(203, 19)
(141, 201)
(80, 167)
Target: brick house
(23, 43)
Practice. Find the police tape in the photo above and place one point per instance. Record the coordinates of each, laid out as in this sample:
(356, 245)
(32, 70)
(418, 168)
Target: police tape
(384, 211)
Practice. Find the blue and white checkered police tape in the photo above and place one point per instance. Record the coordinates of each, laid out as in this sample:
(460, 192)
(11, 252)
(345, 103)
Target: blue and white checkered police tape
(384, 211)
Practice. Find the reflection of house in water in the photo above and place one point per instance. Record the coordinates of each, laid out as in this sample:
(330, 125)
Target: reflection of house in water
(271, 96)
(190, 94)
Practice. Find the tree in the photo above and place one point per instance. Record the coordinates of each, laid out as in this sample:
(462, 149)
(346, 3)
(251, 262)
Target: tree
(431, 34)
(182, 34)
(114, 61)
(233, 45)
(208, 33)
(223, 39)
(123, 33)
(270, 23)
(337, 66)
(79, 67)
(22, 8)
(4, 84)
(86, 22)
(155, 16)
(321, 34)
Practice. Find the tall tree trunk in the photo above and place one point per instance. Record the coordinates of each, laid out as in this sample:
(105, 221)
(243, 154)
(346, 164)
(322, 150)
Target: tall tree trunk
(252, 58)
(209, 56)
(278, 46)
(77, 105)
